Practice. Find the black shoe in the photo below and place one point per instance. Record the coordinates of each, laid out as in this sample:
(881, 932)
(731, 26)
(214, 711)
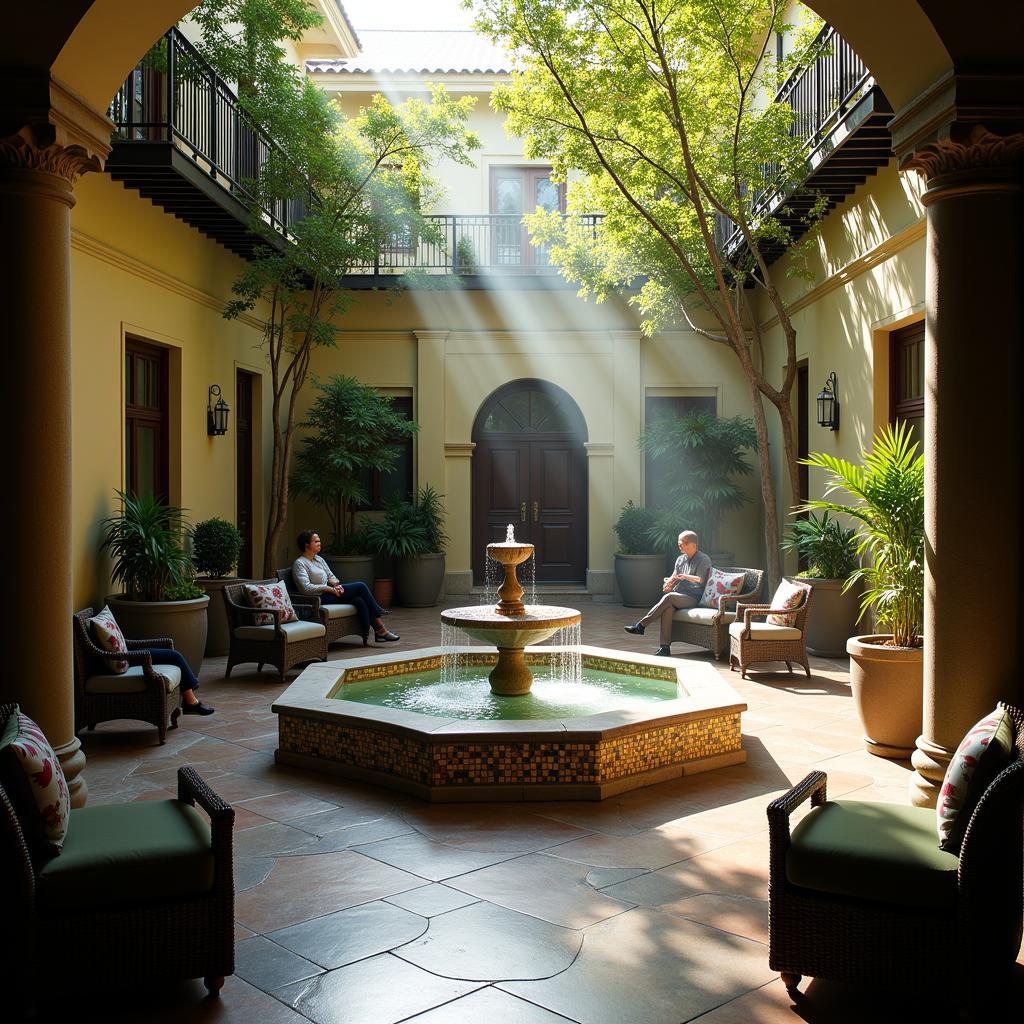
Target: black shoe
(384, 611)
(386, 637)
(197, 709)
(664, 651)
(637, 629)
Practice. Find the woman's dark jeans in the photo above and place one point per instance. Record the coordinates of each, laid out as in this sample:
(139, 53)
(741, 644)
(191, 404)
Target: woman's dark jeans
(165, 656)
(359, 596)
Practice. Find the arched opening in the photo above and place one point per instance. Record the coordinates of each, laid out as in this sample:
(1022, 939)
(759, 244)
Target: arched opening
(530, 469)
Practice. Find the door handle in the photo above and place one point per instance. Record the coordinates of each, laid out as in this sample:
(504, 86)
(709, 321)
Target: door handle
(536, 512)
(522, 512)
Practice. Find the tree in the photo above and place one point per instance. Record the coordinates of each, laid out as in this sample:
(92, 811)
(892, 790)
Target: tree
(362, 180)
(661, 113)
(354, 428)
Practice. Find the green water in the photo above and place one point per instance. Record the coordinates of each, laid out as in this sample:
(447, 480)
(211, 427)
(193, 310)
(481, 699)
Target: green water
(428, 694)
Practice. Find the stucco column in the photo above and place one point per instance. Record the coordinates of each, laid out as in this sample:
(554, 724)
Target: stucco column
(45, 146)
(974, 330)
(459, 501)
(430, 408)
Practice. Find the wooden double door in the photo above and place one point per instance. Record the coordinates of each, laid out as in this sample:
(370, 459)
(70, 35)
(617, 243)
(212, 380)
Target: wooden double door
(538, 484)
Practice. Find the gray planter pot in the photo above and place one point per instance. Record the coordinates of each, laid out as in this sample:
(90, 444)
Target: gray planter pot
(888, 685)
(352, 568)
(183, 621)
(418, 580)
(832, 619)
(218, 639)
(640, 579)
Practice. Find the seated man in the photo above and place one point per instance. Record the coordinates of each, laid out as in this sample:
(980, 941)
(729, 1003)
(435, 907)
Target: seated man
(683, 589)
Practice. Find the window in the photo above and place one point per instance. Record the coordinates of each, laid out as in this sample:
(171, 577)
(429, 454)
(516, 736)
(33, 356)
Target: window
(516, 191)
(381, 486)
(906, 373)
(145, 419)
(655, 490)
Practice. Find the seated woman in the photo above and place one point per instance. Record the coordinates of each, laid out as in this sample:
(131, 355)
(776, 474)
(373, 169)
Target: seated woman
(313, 576)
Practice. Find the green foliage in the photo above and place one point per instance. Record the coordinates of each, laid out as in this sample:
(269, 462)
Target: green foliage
(409, 528)
(633, 529)
(352, 428)
(829, 550)
(216, 545)
(698, 455)
(886, 501)
(189, 590)
(466, 261)
(147, 542)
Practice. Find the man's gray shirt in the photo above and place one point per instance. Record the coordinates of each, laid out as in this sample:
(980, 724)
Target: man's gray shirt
(699, 565)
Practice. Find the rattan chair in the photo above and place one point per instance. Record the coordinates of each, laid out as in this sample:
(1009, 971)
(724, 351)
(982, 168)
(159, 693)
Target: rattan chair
(145, 693)
(339, 619)
(281, 644)
(961, 942)
(709, 627)
(751, 641)
(122, 903)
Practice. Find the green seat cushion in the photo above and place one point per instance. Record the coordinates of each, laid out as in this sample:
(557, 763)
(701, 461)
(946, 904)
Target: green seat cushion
(128, 853)
(880, 852)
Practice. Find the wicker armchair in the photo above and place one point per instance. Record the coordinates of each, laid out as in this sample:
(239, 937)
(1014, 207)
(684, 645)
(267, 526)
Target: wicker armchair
(140, 891)
(145, 693)
(963, 940)
(751, 641)
(709, 627)
(281, 644)
(339, 619)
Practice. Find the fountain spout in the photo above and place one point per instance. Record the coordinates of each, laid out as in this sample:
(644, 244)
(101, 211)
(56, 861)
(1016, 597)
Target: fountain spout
(508, 555)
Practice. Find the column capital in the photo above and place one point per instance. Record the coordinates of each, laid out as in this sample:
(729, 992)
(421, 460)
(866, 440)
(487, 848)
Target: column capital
(44, 127)
(965, 129)
(431, 335)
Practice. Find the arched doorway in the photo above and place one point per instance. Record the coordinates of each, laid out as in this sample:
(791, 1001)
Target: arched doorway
(530, 469)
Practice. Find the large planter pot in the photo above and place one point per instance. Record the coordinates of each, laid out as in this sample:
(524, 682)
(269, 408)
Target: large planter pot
(383, 591)
(352, 568)
(418, 580)
(218, 639)
(183, 621)
(887, 685)
(640, 579)
(832, 619)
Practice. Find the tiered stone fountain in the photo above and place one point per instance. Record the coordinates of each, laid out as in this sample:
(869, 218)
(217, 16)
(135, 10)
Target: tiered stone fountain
(510, 625)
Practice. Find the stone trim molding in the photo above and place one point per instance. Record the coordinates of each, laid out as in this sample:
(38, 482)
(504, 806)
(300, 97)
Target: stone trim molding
(459, 449)
(599, 448)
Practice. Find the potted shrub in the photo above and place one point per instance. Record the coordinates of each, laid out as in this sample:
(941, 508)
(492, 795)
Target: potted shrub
(698, 457)
(160, 597)
(639, 562)
(412, 535)
(353, 430)
(886, 502)
(216, 545)
(830, 553)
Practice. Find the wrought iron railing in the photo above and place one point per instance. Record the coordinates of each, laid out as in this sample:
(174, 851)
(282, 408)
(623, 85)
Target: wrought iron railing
(821, 95)
(174, 96)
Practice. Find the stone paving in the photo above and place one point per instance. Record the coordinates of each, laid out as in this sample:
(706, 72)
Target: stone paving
(358, 905)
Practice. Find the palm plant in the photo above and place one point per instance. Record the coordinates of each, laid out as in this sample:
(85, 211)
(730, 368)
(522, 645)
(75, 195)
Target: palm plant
(830, 551)
(147, 541)
(887, 503)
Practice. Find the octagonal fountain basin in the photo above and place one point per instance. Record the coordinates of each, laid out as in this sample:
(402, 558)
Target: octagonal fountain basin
(633, 721)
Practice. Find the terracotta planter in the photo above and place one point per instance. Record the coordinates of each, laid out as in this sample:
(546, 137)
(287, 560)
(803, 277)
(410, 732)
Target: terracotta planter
(418, 580)
(887, 685)
(183, 621)
(218, 639)
(639, 579)
(383, 592)
(352, 568)
(832, 619)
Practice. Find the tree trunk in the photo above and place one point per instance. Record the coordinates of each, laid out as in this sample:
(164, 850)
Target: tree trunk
(771, 518)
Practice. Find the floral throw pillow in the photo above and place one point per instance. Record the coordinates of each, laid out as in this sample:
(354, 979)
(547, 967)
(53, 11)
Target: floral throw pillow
(107, 634)
(271, 596)
(44, 778)
(788, 595)
(983, 753)
(721, 584)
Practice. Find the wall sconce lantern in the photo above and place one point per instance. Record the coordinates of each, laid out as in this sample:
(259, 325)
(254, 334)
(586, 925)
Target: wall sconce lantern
(828, 404)
(216, 415)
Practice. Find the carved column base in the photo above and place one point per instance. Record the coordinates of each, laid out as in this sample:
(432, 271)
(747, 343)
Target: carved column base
(72, 760)
(930, 762)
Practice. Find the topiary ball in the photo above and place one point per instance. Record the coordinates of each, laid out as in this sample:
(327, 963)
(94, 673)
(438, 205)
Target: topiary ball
(216, 545)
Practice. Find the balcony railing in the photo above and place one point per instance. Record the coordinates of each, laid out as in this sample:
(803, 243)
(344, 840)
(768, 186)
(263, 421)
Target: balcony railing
(821, 94)
(174, 96)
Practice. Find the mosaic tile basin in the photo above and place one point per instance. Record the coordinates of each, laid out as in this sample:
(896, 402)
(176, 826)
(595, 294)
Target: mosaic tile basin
(584, 757)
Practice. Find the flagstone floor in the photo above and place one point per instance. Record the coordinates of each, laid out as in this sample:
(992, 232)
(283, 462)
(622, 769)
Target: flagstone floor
(358, 905)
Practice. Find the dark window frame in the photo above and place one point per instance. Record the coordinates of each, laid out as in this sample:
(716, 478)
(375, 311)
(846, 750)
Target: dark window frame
(905, 408)
(136, 415)
(374, 480)
(683, 404)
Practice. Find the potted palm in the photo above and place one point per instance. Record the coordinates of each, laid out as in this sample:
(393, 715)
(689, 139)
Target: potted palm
(216, 545)
(160, 597)
(886, 502)
(639, 562)
(830, 553)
